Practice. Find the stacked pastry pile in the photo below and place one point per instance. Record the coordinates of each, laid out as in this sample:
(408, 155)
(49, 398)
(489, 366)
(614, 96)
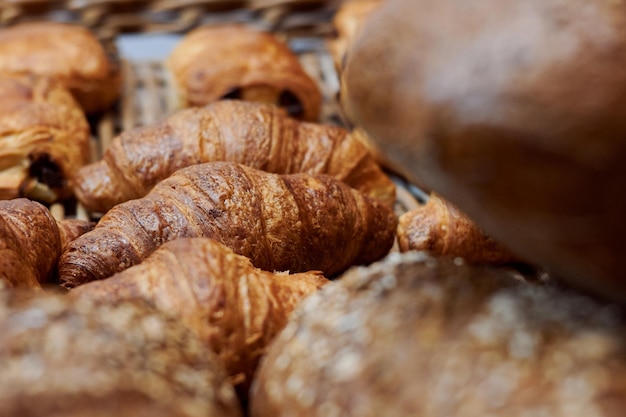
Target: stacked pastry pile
(184, 296)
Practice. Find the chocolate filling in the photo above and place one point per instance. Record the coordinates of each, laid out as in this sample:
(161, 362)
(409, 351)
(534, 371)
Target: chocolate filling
(46, 171)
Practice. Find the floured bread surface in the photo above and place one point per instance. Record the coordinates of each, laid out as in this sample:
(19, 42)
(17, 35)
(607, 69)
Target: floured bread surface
(62, 358)
(415, 336)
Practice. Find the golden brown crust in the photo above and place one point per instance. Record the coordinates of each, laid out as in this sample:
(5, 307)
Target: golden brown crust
(253, 134)
(347, 23)
(68, 54)
(441, 229)
(29, 243)
(215, 61)
(75, 358)
(291, 223)
(70, 229)
(517, 116)
(45, 139)
(235, 308)
(413, 336)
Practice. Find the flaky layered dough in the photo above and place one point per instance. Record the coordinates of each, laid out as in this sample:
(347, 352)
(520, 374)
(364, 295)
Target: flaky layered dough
(44, 139)
(257, 135)
(236, 61)
(413, 336)
(293, 223)
(236, 308)
(68, 54)
(73, 358)
(439, 228)
(31, 241)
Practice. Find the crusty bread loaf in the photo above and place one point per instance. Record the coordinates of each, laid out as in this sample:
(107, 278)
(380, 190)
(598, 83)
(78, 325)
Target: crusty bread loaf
(515, 111)
(77, 358)
(412, 336)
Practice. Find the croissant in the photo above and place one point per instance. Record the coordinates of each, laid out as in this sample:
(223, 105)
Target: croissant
(74, 358)
(296, 223)
(44, 136)
(68, 54)
(31, 241)
(257, 135)
(239, 62)
(441, 229)
(235, 308)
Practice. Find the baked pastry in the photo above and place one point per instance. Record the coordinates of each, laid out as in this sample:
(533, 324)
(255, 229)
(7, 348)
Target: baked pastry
(295, 223)
(31, 241)
(347, 22)
(238, 62)
(513, 111)
(235, 308)
(253, 134)
(68, 54)
(64, 358)
(413, 336)
(440, 229)
(44, 137)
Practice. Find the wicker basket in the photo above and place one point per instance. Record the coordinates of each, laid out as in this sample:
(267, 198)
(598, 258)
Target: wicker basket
(306, 26)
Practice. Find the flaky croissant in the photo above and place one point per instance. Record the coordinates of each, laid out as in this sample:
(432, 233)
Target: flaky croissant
(439, 228)
(239, 62)
(31, 241)
(236, 308)
(69, 54)
(257, 135)
(296, 223)
(44, 136)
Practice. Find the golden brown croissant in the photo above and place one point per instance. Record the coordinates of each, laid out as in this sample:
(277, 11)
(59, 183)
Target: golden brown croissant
(413, 336)
(296, 223)
(68, 54)
(74, 358)
(31, 241)
(239, 62)
(441, 229)
(253, 134)
(236, 308)
(44, 137)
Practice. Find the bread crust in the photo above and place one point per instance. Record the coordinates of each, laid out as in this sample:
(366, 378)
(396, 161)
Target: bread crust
(74, 358)
(513, 111)
(415, 336)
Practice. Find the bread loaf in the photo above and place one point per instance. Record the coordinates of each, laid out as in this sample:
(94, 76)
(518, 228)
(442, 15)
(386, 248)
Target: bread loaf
(76, 358)
(412, 336)
(515, 112)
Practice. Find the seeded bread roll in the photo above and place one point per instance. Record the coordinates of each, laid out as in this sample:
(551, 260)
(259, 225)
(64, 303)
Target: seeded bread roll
(74, 358)
(412, 336)
(69, 54)
(514, 111)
